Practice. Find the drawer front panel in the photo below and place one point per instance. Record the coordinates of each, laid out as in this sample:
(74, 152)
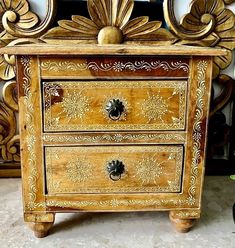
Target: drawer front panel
(114, 105)
(115, 67)
(113, 169)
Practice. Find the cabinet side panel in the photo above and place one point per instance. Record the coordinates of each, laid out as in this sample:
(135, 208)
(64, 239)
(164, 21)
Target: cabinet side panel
(198, 111)
(30, 132)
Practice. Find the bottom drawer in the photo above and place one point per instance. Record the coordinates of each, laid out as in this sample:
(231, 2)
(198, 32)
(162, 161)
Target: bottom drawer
(113, 169)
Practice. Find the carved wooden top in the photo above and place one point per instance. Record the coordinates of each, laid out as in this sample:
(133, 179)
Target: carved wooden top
(46, 49)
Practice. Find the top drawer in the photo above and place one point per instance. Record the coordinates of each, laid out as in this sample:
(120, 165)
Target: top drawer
(87, 67)
(114, 105)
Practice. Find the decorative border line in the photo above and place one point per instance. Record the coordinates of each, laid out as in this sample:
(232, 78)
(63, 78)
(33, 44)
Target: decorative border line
(197, 129)
(31, 133)
(117, 66)
(117, 138)
(117, 203)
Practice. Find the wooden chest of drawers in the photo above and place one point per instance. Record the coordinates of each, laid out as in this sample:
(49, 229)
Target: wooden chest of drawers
(113, 128)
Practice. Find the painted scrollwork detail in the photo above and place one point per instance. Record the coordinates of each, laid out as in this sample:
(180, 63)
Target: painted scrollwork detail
(197, 128)
(209, 23)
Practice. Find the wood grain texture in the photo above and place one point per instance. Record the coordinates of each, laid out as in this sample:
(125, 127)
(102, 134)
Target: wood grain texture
(86, 105)
(182, 225)
(40, 229)
(88, 49)
(67, 172)
(84, 169)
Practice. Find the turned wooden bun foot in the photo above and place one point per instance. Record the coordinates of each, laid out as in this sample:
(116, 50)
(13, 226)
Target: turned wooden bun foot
(40, 229)
(182, 225)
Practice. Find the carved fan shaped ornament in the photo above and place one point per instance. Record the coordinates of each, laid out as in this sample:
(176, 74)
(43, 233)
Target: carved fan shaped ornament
(110, 24)
(209, 23)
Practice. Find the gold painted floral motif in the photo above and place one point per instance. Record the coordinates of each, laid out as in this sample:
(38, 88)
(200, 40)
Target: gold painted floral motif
(78, 170)
(75, 105)
(155, 107)
(149, 169)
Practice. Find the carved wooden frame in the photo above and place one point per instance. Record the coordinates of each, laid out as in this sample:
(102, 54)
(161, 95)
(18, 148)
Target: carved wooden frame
(211, 25)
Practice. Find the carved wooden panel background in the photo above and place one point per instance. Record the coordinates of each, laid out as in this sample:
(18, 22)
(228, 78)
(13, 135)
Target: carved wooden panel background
(209, 23)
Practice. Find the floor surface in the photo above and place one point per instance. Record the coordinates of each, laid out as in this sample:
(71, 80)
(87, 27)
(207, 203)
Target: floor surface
(122, 230)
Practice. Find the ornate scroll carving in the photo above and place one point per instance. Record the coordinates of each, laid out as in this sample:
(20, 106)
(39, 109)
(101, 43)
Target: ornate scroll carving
(109, 24)
(17, 21)
(209, 23)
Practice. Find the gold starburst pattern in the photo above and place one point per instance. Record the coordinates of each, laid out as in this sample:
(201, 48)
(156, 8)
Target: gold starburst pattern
(155, 107)
(75, 105)
(78, 170)
(149, 169)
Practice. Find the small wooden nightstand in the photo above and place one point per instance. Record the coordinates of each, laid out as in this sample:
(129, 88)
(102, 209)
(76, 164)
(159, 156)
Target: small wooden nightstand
(112, 128)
